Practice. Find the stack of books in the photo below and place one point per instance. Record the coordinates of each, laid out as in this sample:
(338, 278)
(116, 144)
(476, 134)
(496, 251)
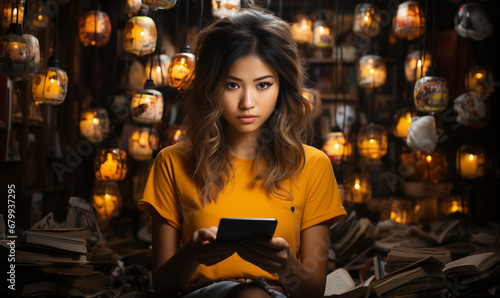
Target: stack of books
(399, 256)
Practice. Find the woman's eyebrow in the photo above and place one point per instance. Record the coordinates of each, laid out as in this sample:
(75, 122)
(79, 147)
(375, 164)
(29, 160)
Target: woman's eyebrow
(257, 79)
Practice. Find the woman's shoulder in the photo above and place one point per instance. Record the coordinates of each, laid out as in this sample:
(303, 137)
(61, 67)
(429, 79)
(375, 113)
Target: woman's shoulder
(313, 153)
(177, 151)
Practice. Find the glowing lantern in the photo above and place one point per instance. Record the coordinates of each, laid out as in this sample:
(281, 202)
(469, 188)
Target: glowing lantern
(372, 141)
(142, 142)
(452, 204)
(14, 53)
(314, 98)
(366, 20)
(402, 120)
(160, 4)
(361, 188)
(159, 72)
(181, 68)
(132, 7)
(94, 124)
(50, 85)
(107, 199)
(225, 8)
(110, 165)
(302, 29)
(147, 105)
(139, 36)
(470, 161)
(34, 57)
(408, 23)
(431, 93)
(175, 134)
(94, 28)
(414, 63)
(401, 211)
(40, 18)
(322, 36)
(337, 147)
(431, 167)
(12, 12)
(479, 81)
(372, 71)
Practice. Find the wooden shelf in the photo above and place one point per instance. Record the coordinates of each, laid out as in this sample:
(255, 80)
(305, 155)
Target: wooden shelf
(338, 97)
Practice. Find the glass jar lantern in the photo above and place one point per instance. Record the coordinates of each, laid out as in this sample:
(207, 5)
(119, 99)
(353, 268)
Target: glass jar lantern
(107, 199)
(372, 141)
(110, 164)
(147, 105)
(12, 12)
(302, 29)
(160, 4)
(50, 85)
(139, 36)
(361, 188)
(142, 142)
(408, 23)
(372, 72)
(34, 56)
(94, 28)
(366, 20)
(181, 68)
(14, 53)
(132, 7)
(94, 124)
(225, 8)
(416, 64)
(479, 80)
(432, 166)
(174, 134)
(471, 161)
(322, 35)
(402, 120)
(430, 94)
(337, 147)
(159, 73)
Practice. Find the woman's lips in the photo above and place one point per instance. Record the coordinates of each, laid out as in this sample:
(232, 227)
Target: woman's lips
(247, 118)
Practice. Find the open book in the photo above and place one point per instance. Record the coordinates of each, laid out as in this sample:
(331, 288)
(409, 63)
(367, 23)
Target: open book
(339, 283)
(399, 256)
(473, 264)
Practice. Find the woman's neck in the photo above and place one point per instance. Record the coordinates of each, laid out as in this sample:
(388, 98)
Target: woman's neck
(243, 145)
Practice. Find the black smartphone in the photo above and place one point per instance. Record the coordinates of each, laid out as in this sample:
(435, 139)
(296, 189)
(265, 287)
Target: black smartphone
(238, 228)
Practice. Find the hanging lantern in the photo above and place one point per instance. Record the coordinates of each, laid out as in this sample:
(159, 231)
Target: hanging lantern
(361, 188)
(132, 7)
(94, 124)
(431, 93)
(159, 73)
(40, 18)
(372, 72)
(50, 85)
(337, 147)
(302, 29)
(372, 141)
(110, 164)
(322, 35)
(472, 21)
(107, 199)
(431, 166)
(479, 81)
(401, 211)
(147, 105)
(402, 120)
(139, 36)
(12, 12)
(94, 28)
(160, 4)
(470, 161)
(366, 20)
(14, 53)
(142, 142)
(408, 23)
(181, 68)
(175, 134)
(225, 8)
(34, 57)
(414, 63)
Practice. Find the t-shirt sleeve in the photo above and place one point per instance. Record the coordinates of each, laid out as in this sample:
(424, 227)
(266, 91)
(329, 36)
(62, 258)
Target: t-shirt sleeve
(159, 192)
(323, 200)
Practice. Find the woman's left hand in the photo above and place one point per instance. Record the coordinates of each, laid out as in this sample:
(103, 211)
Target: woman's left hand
(270, 255)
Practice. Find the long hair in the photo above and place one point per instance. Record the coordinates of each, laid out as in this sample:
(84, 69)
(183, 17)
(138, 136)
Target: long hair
(280, 153)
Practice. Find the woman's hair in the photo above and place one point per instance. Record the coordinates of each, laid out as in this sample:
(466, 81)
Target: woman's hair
(279, 152)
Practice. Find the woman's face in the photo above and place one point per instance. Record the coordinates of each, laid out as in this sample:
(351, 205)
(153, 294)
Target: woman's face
(250, 95)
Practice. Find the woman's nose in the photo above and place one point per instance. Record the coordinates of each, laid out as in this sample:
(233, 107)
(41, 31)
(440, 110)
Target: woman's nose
(247, 101)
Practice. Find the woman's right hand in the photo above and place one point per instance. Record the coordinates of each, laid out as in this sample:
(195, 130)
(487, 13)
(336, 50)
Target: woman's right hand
(206, 250)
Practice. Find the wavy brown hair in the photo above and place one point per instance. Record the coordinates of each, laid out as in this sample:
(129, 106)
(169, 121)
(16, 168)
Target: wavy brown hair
(280, 153)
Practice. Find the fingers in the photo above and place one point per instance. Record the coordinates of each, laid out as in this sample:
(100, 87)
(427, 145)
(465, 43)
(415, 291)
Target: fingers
(270, 255)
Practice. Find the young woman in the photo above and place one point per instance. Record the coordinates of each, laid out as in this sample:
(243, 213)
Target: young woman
(243, 157)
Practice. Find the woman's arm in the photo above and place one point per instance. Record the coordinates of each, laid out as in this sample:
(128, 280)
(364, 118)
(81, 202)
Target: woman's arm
(173, 265)
(305, 278)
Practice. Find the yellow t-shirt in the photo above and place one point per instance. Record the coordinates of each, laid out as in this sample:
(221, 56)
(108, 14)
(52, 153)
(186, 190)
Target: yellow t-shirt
(172, 192)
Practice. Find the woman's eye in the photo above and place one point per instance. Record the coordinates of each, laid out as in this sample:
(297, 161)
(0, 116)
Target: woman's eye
(264, 85)
(232, 85)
